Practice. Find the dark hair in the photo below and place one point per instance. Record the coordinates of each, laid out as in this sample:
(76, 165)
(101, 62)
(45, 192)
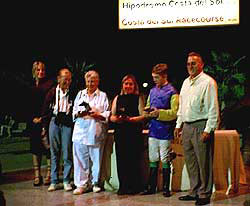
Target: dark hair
(160, 69)
(196, 54)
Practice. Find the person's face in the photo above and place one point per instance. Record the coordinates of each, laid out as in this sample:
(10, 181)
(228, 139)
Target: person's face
(92, 84)
(159, 80)
(40, 71)
(64, 79)
(194, 66)
(128, 86)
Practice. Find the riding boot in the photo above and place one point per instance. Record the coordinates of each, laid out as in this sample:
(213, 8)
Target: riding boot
(166, 181)
(152, 183)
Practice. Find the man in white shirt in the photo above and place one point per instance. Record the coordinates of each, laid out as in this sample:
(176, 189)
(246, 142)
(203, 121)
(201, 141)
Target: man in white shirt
(90, 113)
(58, 108)
(197, 118)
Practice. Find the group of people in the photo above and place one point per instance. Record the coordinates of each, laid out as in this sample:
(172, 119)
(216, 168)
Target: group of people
(76, 126)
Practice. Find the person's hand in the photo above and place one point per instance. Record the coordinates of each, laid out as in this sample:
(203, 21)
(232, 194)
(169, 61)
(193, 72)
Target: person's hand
(44, 132)
(96, 115)
(37, 120)
(154, 113)
(205, 136)
(120, 118)
(177, 136)
(149, 113)
(82, 114)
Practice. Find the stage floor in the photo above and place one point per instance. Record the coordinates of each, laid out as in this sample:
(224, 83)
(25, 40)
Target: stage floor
(19, 191)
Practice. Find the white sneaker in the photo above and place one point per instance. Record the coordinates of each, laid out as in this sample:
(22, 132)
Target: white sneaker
(53, 187)
(78, 191)
(81, 190)
(67, 187)
(96, 189)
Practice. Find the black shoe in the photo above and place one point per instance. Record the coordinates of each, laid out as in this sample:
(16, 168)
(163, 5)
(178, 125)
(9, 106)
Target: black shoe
(187, 198)
(166, 194)
(38, 181)
(202, 201)
(121, 192)
(148, 192)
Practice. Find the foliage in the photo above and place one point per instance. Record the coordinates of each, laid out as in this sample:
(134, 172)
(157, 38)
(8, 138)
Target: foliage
(229, 76)
(78, 69)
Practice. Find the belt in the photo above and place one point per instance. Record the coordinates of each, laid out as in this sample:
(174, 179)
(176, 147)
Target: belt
(199, 120)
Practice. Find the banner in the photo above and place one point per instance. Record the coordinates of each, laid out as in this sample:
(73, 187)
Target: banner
(138, 14)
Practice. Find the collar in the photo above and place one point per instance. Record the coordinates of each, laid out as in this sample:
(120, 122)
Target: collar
(193, 80)
(61, 91)
(96, 93)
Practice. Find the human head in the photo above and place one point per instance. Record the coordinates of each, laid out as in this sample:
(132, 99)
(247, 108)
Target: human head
(160, 74)
(38, 70)
(129, 85)
(92, 81)
(195, 64)
(64, 78)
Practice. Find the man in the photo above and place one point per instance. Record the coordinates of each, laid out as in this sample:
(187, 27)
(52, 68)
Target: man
(91, 115)
(162, 103)
(58, 110)
(197, 118)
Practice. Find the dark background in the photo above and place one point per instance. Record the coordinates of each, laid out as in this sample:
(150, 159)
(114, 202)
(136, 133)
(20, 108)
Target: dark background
(90, 31)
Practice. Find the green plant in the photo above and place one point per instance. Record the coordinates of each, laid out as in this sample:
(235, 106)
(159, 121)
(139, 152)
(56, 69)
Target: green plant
(78, 69)
(230, 77)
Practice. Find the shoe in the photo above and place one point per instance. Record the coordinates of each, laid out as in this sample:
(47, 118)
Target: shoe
(166, 194)
(38, 181)
(46, 180)
(187, 198)
(80, 190)
(53, 187)
(96, 189)
(67, 187)
(121, 192)
(148, 192)
(202, 201)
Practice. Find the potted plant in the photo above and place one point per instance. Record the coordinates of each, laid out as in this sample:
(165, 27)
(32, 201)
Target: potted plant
(230, 77)
(78, 69)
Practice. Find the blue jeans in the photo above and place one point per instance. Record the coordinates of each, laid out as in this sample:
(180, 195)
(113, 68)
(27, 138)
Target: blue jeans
(60, 141)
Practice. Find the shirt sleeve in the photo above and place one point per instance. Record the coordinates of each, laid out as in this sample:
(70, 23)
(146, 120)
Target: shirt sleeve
(148, 101)
(170, 114)
(106, 111)
(75, 107)
(212, 107)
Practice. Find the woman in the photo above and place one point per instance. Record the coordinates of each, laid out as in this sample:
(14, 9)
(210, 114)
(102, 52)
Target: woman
(39, 90)
(127, 111)
(90, 113)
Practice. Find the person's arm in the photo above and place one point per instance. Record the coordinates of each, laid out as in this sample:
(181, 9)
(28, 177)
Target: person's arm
(75, 107)
(212, 107)
(46, 109)
(170, 114)
(115, 118)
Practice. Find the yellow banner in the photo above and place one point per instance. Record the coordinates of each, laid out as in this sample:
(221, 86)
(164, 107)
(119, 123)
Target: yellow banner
(137, 14)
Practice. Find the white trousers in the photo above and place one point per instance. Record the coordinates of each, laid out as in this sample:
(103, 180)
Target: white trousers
(87, 162)
(158, 149)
